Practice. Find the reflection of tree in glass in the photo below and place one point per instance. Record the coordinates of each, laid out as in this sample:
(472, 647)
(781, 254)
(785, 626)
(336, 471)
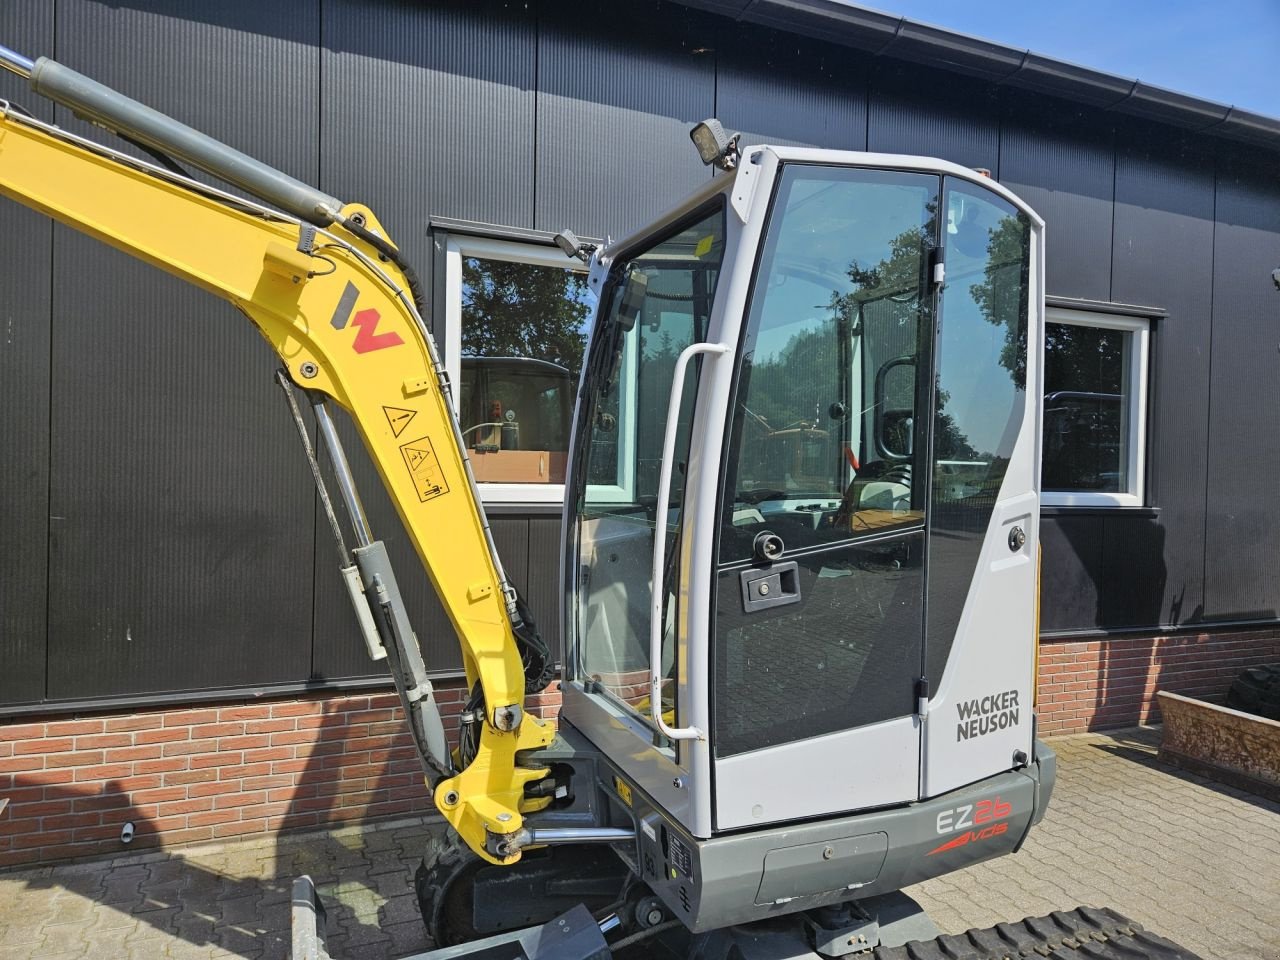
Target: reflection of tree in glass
(1084, 408)
(796, 385)
(521, 310)
(1002, 294)
(897, 276)
(791, 439)
(658, 355)
(797, 380)
(1083, 358)
(949, 442)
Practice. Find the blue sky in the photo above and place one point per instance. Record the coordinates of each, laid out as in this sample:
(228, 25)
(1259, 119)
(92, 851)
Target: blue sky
(1225, 51)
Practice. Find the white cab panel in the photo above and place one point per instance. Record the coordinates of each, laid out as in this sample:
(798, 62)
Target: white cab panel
(850, 770)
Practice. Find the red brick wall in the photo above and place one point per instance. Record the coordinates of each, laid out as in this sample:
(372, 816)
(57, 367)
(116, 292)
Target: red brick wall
(189, 774)
(1104, 684)
(184, 775)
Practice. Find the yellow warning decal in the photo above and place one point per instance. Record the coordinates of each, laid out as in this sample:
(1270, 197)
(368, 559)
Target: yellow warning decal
(624, 790)
(424, 468)
(704, 245)
(398, 418)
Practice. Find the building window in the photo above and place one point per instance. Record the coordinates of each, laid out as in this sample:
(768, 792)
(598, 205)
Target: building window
(1095, 409)
(517, 317)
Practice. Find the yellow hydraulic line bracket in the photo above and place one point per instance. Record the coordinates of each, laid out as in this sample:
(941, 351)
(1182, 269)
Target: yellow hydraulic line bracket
(332, 314)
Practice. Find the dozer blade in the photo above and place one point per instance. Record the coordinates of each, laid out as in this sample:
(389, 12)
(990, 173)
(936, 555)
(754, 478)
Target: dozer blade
(574, 935)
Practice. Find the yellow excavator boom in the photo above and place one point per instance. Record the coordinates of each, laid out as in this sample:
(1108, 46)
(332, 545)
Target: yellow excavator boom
(339, 314)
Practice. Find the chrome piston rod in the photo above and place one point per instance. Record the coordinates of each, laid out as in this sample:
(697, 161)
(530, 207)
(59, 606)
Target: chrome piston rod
(342, 471)
(16, 63)
(547, 836)
(540, 835)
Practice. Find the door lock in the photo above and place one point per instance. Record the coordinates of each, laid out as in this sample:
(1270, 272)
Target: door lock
(767, 546)
(1016, 539)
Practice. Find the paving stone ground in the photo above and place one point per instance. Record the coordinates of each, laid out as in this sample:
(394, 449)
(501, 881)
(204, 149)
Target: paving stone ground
(1189, 858)
(1194, 860)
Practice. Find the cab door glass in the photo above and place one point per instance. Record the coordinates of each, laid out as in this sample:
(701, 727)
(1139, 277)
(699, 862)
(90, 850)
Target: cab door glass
(658, 302)
(981, 393)
(827, 451)
(825, 427)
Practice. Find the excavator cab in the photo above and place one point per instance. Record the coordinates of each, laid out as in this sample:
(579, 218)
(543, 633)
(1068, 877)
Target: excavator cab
(800, 547)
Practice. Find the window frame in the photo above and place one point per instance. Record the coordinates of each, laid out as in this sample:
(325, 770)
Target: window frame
(1136, 381)
(533, 253)
(629, 390)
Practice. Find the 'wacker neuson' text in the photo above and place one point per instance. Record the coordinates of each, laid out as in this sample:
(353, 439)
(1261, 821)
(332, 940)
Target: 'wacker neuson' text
(984, 715)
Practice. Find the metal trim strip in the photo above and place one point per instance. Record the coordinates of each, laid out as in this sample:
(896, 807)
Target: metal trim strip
(1001, 64)
(1106, 306)
(495, 231)
(219, 695)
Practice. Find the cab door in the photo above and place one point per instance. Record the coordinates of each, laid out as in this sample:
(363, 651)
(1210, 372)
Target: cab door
(657, 307)
(818, 635)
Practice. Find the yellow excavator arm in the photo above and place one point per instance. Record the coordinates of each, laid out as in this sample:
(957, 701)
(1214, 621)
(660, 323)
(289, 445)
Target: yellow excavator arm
(337, 308)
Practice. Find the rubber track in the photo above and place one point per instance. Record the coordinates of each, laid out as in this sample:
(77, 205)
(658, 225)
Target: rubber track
(1085, 933)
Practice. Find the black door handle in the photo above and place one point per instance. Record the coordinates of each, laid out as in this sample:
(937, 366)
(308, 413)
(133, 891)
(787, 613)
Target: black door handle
(773, 586)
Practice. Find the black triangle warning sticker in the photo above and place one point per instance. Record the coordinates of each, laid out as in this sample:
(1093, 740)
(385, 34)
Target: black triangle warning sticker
(399, 418)
(424, 469)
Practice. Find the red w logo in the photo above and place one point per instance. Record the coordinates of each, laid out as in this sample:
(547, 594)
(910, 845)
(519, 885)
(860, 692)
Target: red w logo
(366, 322)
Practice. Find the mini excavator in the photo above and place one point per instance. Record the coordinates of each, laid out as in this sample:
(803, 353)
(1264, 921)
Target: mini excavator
(799, 553)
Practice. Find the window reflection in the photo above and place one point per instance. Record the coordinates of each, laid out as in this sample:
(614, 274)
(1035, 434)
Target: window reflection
(524, 330)
(980, 398)
(825, 422)
(1085, 408)
(982, 345)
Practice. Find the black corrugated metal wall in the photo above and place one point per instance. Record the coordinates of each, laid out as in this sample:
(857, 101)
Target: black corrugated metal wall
(160, 534)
